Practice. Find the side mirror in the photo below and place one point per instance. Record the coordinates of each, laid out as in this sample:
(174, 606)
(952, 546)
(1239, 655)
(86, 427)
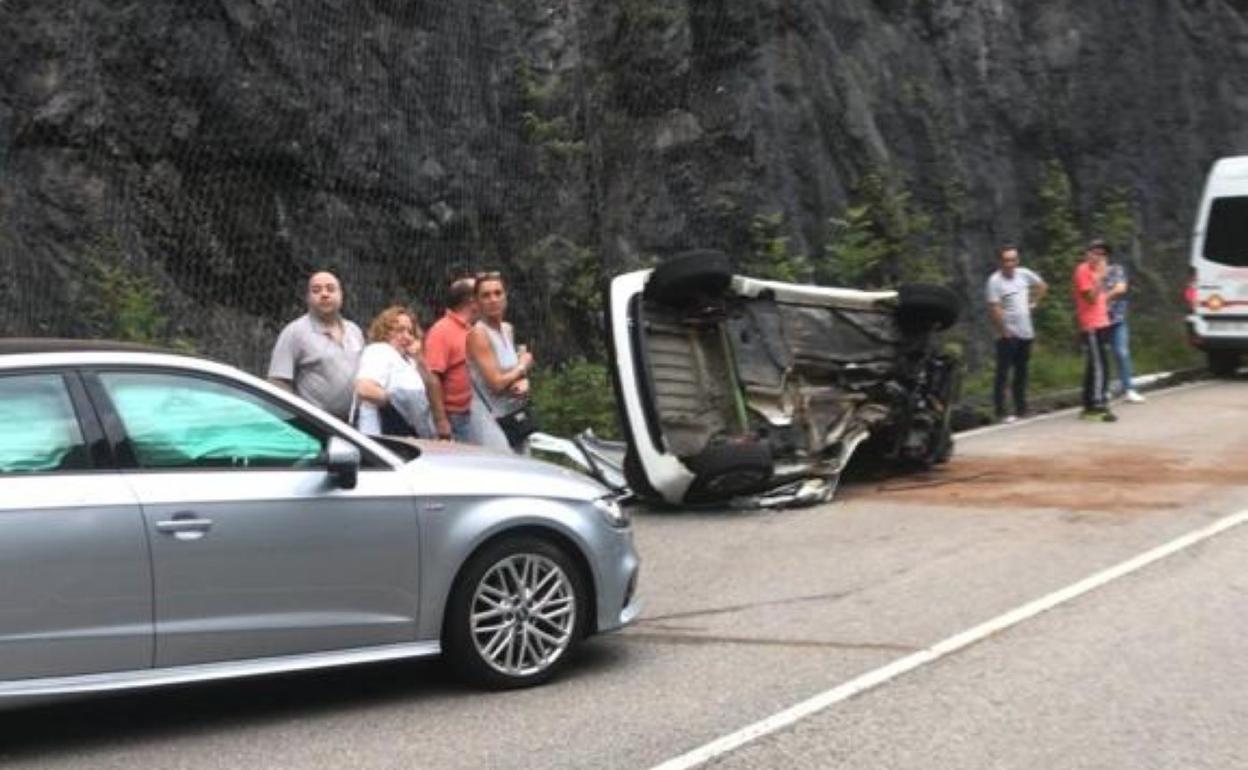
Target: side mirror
(343, 459)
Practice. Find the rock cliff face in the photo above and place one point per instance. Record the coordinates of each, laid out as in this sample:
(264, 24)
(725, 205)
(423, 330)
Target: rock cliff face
(188, 163)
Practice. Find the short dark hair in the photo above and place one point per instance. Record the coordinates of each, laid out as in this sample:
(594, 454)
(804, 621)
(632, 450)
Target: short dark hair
(1099, 244)
(1007, 246)
(460, 292)
(486, 276)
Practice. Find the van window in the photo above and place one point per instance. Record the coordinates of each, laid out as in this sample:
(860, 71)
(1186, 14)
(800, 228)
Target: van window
(1226, 234)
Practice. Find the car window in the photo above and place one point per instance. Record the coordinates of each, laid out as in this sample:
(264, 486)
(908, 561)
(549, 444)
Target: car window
(179, 421)
(1226, 236)
(41, 431)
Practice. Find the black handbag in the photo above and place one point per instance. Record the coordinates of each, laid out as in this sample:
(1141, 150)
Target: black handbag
(518, 425)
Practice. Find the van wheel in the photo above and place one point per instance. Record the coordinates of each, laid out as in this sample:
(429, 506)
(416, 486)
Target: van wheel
(923, 307)
(690, 277)
(725, 470)
(1223, 363)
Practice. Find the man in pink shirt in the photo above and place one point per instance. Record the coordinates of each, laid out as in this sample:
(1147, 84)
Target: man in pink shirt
(1092, 313)
(446, 355)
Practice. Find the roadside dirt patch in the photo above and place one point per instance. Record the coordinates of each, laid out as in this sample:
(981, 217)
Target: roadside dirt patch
(1118, 481)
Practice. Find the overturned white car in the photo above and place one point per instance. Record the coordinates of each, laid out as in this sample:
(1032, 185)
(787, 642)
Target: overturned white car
(730, 386)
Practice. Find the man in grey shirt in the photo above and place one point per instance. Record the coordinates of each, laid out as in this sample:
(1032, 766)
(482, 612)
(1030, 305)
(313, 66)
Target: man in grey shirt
(1010, 302)
(316, 355)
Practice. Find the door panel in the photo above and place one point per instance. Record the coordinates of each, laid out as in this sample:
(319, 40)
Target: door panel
(279, 562)
(75, 580)
(255, 552)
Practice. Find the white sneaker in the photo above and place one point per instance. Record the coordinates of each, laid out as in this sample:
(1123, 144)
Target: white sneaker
(1134, 397)
(1010, 419)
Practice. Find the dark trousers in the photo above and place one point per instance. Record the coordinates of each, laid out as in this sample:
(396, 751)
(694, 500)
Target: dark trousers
(1095, 369)
(1012, 354)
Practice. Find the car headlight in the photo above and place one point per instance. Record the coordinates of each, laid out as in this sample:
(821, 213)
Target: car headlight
(611, 510)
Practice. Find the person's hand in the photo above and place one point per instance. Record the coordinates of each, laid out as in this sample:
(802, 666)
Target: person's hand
(520, 388)
(443, 426)
(525, 360)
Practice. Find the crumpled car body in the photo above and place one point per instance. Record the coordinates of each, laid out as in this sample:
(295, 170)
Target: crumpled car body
(730, 386)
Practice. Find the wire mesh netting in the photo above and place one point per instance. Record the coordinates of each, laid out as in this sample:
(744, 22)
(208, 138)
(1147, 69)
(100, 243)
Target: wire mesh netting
(174, 171)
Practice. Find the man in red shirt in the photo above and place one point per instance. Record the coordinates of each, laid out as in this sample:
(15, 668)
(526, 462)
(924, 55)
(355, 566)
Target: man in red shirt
(1091, 311)
(446, 355)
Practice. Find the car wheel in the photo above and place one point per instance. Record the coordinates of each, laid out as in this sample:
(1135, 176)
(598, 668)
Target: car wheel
(925, 307)
(723, 471)
(689, 277)
(1223, 363)
(515, 614)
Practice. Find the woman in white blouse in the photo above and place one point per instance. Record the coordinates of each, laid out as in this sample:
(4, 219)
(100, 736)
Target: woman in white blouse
(395, 393)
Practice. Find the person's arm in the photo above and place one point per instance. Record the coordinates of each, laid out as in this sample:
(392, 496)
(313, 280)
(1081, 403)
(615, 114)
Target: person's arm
(482, 354)
(1119, 287)
(996, 313)
(998, 318)
(1088, 284)
(282, 361)
(370, 391)
(1041, 290)
(369, 375)
(433, 386)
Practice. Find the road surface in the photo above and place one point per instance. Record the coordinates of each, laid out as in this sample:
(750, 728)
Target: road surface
(752, 613)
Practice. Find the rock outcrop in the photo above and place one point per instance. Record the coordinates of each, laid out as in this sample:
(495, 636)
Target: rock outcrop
(187, 163)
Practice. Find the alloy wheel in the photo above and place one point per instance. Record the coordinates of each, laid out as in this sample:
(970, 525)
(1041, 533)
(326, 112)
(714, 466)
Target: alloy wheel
(523, 614)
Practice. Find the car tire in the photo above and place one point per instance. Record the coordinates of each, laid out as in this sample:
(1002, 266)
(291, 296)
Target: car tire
(923, 307)
(723, 471)
(689, 278)
(1223, 363)
(494, 610)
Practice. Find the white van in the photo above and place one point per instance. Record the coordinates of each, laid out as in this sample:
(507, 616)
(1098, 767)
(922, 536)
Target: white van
(1219, 274)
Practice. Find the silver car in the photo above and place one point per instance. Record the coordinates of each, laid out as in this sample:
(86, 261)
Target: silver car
(166, 519)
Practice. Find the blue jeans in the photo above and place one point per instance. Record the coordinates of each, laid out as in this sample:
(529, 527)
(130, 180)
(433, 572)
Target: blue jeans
(461, 426)
(1120, 344)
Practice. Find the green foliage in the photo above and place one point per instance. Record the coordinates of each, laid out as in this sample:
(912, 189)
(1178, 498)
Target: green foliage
(575, 396)
(577, 282)
(883, 238)
(126, 306)
(542, 127)
(1114, 220)
(770, 256)
(1061, 251)
(119, 303)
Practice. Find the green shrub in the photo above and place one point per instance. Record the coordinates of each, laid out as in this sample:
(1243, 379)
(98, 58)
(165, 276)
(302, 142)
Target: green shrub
(576, 396)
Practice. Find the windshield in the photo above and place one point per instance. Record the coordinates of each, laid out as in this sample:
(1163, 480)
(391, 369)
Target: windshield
(1226, 236)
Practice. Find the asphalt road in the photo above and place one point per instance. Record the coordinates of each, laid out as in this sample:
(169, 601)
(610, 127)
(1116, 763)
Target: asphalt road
(749, 613)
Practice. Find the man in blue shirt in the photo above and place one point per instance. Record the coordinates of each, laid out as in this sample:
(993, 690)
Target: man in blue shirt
(1119, 337)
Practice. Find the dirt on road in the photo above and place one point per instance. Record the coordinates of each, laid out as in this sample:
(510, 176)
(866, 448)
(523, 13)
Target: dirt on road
(1111, 479)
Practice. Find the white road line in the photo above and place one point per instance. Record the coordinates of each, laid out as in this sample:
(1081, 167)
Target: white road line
(1073, 410)
(871, 679)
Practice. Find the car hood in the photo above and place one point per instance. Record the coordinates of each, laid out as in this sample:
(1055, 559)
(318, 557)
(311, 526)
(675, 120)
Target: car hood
(462, 469)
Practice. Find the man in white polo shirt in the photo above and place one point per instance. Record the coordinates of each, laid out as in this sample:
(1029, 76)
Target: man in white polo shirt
(315, 356)
(1013, 292)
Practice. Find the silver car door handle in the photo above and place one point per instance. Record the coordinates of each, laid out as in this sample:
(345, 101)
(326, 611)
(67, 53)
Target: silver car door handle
(175, 526)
